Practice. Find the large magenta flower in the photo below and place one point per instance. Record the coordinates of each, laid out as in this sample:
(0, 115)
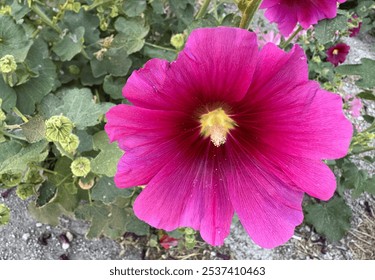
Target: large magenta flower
(228, 128)
(287, 13)
(337, 54)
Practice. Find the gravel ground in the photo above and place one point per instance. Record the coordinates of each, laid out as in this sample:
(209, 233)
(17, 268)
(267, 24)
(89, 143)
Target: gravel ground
(25, 238)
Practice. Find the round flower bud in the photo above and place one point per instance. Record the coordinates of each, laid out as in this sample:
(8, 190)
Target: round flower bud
(70, 143)
(80, 167)
(74, 69)
(178, 41)
(24, 191)
(10, 179)
(8, 64)
(58, 128)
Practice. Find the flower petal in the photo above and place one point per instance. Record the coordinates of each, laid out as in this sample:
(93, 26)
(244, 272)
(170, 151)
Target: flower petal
(291, 114)
(206, 70)
(267, 207)
(149, 138)
(208, 67)
(189, 192)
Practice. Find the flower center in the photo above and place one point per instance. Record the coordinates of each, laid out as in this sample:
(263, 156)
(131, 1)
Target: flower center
(335, 52)
(216, 125)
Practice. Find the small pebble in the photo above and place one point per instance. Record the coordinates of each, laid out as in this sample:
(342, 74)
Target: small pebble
(65, 246)
(26, 236)
(70, 236)
(38, 224)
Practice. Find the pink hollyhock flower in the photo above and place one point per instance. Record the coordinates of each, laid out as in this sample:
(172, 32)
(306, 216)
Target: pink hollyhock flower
(287, 13)
(355, 107)
(337, 54)
(228, 128)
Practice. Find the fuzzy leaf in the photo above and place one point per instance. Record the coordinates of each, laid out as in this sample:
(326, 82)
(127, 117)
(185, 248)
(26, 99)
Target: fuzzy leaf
(113, 86)
(48, 214)
(8, 95)
(366, 70)
(106, 191)
(115, 61)
(105, 163)
(34, 130)
(76, 104)
(33, 91)
(330, 218)
(325, 30)
(134, 8)
(14, 158)
(13, 39)
(70, 45)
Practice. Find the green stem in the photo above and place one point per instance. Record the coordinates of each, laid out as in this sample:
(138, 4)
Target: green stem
(12, 135)
(18, 113)
(46, 170)
(160, 47)
(295, 33)
(249, 13)
(89, 195)
(97, 4)
(363, 151)
(202, 11)
(45, 18)
(370, 128)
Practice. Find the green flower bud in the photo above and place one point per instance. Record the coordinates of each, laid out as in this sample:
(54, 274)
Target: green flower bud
(4, 214)
(178, 41)
(58, 128)
(5, 10)
(80, 167)
(321, 48)
(189, 231)
(24, 191)
(74, 69)
(70, 143)
(316, 59)
(10, 179)
(8, 64)
(2, 116)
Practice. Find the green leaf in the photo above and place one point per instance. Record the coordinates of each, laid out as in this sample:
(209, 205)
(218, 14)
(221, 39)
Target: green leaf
(4, 214)
(368, 95)
(106, 191)
(13, 39)
(85, 141)
(14, 158)
(70, 45)
(46, 193)
(33, 91)
(98, 214)
(331, 219)
(366, 70)
(88, 21)
(157, 6)
(325, 30)
(8, 95)
(34, 130)
(76, 104)
(105, 163)
(115, 61)
(113, 86)
(353, 177)
(48, 214)
(367, 186)
(157, 53)
(133, 8)
(184, 10)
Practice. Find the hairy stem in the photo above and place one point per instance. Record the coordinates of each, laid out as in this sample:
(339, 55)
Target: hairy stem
(249, 13)
(203, 10)
(287, 42)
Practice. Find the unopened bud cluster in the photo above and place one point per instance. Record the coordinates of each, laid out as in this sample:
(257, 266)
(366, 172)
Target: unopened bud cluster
(81, 167)
(59, 129)
(8, 64)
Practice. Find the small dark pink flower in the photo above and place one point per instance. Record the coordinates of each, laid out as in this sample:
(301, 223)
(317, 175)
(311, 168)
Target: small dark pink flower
(355, 30)
(228, 128)
(337, 53)
(167, 241)
(287, 13)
